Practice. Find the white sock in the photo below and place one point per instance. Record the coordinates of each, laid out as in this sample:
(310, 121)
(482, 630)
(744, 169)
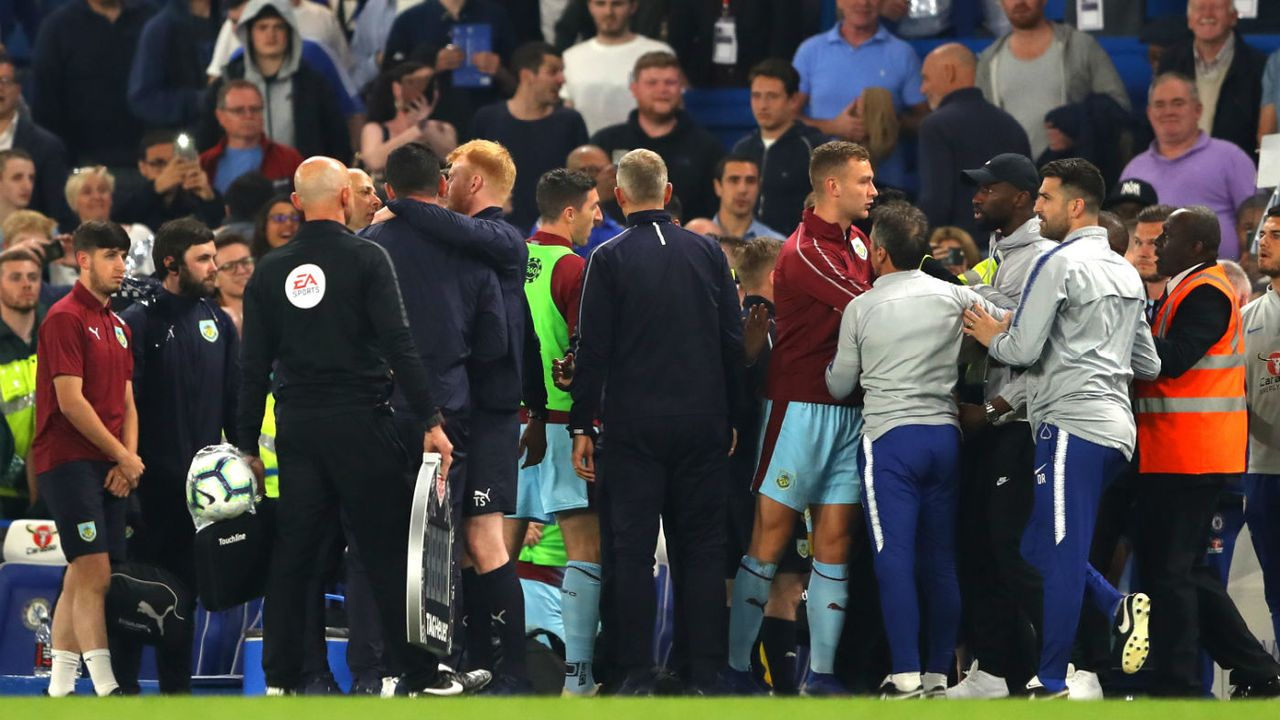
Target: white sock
(906, 682)
(99, 664)
(934, 680)
(62, 677)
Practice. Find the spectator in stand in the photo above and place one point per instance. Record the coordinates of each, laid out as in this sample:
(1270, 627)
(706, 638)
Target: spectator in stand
(1129, 197)
(1186, 166)
(176, 186)
(167, 78)
(837, 65)
(244, 147)
(780, 145)
(235, 267)
(431, 24)
(244, 198)
(315, 23)
(90, 192)
(1267, 120)
(595, 163)
(597, 71)
(364, 200)
(963, 131)
(659, 124)
(532, 125)
(300, 107)
(277, 223)
(83, 54)
(17, 182)
(955, 248)
(1040, 66)
(372, 25)
(401, 102)
(1228, 73)
(31, 231)
(19, 132)
(737, 184)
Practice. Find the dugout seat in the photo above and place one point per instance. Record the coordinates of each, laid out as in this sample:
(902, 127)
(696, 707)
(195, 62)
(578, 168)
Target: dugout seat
(30, 579)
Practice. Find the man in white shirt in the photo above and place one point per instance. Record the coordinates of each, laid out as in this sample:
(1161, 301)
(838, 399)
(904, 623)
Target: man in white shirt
(597, 72)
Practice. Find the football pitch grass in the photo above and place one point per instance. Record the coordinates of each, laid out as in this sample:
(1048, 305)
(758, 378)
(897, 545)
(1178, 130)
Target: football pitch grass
(482, 708)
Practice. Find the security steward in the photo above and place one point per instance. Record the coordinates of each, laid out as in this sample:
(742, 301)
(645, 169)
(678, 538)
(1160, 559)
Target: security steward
(660, 340)
(20, 316)
(186, 386)
(326, 311)
(1193, 433)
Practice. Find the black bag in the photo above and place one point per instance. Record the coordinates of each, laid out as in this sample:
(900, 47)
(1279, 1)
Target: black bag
(148, 604)
(232, 557)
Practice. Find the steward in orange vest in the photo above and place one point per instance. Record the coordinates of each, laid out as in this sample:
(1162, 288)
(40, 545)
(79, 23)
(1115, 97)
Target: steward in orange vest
(1192, 438)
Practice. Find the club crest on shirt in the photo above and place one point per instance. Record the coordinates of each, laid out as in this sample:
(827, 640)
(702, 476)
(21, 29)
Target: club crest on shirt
(859, 248)
(784, 480)
(88, 531)
(120, 337)
(209, 330)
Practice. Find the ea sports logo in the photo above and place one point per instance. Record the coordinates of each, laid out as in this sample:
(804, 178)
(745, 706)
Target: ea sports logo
(304, 286)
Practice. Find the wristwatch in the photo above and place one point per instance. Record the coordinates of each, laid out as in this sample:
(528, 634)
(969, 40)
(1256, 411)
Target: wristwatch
(992, 414)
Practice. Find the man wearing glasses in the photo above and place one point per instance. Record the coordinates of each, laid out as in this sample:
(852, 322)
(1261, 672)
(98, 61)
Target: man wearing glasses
(244, 147)
(176, 186)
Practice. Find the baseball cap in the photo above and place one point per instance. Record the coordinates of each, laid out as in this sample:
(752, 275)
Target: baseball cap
(1131, 190)
(1015, 169)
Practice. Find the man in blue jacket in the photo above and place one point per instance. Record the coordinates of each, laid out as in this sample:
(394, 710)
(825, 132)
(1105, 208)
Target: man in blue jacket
(660, 339)
(481, 176)
(167, 79)
(185, 350)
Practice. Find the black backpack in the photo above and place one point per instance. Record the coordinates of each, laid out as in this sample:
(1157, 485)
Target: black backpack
(232, 559)
(148, 604)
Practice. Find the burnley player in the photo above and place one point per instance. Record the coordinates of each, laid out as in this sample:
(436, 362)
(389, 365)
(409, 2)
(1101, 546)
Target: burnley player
(809, 451)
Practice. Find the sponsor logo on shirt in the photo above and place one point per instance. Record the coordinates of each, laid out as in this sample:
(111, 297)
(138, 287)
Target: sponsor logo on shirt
(533, 270)
(304, 286)
(94, 330)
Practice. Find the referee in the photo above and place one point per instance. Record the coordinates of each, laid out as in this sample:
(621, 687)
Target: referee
(660, 339)
(325, 311)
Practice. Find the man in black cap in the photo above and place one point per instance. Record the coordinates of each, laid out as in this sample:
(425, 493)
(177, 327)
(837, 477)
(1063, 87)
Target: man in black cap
(1128, 198)
(998, 489)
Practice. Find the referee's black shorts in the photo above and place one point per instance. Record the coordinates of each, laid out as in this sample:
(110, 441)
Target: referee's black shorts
(89, 519)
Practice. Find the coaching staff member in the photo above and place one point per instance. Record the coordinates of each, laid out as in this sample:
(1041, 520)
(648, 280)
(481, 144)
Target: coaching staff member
(1193, 433)
(660, 339)
(86, 449)
(326, 311)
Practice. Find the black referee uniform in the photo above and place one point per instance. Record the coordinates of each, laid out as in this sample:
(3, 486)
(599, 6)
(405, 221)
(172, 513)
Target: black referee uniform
(660, 340)
(326, 311)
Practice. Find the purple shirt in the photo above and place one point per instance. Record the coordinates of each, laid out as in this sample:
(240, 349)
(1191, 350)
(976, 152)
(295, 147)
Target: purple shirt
(1213, 173)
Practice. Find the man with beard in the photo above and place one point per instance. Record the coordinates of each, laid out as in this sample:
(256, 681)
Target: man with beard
(184, 358)
(20, 315)
(1080, 333)
(996, 495)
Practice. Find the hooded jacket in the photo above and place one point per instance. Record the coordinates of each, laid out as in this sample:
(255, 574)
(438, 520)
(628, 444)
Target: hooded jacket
(690, 152)
(299, 108)
(1086, 68)
(168, 79)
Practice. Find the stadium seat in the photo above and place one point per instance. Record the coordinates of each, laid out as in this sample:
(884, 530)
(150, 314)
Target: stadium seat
(30, 579)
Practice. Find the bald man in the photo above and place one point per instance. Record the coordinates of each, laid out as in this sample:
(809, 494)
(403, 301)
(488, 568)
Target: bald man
(364, 200)
(963, 131)
(594, 161)
(325, 315)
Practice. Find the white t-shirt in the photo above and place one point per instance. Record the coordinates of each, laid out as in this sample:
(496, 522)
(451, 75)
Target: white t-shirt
(597, 78)
(315, 23)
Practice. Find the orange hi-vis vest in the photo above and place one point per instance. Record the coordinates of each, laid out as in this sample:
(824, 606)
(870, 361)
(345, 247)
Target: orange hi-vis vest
(1196, 424)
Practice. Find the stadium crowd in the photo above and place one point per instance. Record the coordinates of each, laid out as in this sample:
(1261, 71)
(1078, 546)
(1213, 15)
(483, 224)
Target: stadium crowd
(904, 384)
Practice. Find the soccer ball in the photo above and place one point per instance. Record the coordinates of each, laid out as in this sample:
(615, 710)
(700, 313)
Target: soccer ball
(220, 485)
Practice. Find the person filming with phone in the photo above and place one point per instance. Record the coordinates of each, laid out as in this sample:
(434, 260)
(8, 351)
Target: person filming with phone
(176, 185)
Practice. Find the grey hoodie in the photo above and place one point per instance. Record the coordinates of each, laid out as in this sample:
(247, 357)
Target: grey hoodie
(1087, 69)
(276, 91)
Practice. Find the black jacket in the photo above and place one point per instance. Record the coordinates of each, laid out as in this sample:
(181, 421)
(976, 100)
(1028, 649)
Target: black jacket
(81, 76)
(784, 174)
(1236, 117)
(325, 311)
(186, 382)
(318, 125)
(50, 157)
(454, 306)
(497, 384)
(660, 333)
(1202, 319)
(144, 205)
(168, 77)
(963, 133)
(690, 152)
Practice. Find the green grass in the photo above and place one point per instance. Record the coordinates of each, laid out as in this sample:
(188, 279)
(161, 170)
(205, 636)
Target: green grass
(234, 708)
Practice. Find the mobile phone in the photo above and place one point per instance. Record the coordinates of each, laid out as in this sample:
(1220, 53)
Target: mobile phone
(955, 256)
(184, 148)
(53, 250)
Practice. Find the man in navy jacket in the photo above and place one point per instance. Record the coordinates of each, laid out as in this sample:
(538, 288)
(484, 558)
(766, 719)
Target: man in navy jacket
(660, 340)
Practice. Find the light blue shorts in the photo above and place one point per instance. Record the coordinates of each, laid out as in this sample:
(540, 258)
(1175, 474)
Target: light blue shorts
(551, 486)
(809, 454)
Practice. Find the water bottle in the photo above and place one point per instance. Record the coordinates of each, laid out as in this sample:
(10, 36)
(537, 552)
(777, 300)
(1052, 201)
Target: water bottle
(44, 642)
